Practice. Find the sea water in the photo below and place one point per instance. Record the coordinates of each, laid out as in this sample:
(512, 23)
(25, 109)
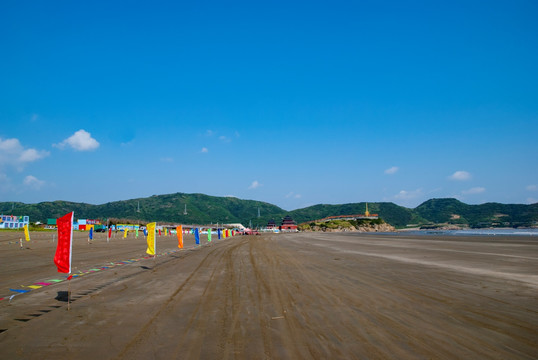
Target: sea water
(476, 232)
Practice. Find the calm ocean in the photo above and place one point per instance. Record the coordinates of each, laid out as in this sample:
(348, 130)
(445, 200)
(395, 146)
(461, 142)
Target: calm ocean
(468, 232)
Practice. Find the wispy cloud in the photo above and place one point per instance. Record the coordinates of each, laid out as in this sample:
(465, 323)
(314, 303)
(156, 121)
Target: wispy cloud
(293, 195)
(255, 184)
(409, 195)
(5, 183)
(532, 188)
(392, 170)
(225, 139)
(167, 160)
(79, 141)
(460, 176)
(204, 150)
(14, 154)
(475, 190)
(33, 183)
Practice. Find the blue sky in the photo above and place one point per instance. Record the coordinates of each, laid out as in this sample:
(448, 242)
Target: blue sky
(293, 103)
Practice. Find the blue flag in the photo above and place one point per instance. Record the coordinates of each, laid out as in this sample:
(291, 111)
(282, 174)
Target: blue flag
(218, 233)
(197, 236)
(91, 233)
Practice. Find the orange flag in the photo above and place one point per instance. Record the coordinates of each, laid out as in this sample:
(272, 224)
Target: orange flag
(179, 231)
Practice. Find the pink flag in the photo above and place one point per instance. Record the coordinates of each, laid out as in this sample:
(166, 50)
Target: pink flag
(62, 259)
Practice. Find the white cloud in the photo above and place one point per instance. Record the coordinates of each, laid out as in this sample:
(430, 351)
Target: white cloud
(475, 190)
(532, 187)
(409, 195)
(80, 141)
(291, 194)
(209, 133)
(204, 150)
(33, 182)
(225, 139)
(392, 170)
(14, 154)
(460, 175)
(255, 184)
(34, 117)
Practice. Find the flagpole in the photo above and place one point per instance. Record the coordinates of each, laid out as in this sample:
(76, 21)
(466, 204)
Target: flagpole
(70, 260)
(68, 293)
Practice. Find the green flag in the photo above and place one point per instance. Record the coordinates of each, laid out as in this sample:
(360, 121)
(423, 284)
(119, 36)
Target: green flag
(209, 235)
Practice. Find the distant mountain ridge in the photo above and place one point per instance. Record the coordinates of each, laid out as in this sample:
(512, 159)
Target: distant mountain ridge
(206, 209)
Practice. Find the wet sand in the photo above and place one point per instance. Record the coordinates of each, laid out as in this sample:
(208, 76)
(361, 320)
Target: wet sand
(286, 296)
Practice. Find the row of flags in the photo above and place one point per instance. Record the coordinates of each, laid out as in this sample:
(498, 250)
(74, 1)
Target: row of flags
(62, 258)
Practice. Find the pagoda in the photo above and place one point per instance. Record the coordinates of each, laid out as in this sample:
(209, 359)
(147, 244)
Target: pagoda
(288, 224)
(271, 224)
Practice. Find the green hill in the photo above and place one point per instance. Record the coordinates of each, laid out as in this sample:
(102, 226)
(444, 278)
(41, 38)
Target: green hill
(393, 214)
(205, 209)
(452, 211)
(201, 209)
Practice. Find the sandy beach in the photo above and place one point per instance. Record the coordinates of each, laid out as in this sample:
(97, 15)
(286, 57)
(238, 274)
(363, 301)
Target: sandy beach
(278, 296)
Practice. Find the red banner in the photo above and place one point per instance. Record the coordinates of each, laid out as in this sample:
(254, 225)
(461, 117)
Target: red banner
(62, 259)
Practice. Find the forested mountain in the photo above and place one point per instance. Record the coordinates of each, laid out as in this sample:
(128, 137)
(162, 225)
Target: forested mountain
(205, 209)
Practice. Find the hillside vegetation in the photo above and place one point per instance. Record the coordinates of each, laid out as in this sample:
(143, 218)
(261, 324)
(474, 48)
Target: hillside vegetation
(205, 209)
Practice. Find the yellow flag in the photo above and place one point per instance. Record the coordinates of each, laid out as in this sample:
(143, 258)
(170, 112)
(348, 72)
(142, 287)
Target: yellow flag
(26, 233)
(125, 233)
(151, 238)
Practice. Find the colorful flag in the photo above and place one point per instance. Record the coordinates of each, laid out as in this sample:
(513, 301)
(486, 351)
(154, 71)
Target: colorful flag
(109, 233)
(125, 233)
(62, 259)
(218, 233)
(209, 235)
(159, 232)
(26, 233)
(136, 233)
(152, 243)
(179, 230)
(91, 233)
(197, 236)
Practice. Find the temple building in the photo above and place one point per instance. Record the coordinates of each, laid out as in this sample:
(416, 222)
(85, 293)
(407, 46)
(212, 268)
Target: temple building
(271, 225)
(288, 224)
